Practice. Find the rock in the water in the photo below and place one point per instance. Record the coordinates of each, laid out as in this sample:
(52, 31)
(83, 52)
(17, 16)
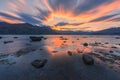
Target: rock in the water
(33, 38)
(54, 51)
(15, 37)
(85, 44)
(36, 38)
(0, 37)
(39, 63)
(88, 59)
(5, 42)
(44, 38)
(111, 51)
(114, 47)
(117, 37)
(70, 53)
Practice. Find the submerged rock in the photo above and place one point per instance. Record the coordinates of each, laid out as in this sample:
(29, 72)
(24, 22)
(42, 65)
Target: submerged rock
(15, 37)
(63, 38)
(6, 42)
(0, 37)
(85, 44)
(111, 51)
(24, 51)
(35, 38)
(39, 63)
(54, 51)
(73, 42)
(44, 38)
(70, 53)
(114, 47)
(87, 59)
(117, 37)
(78, 51)
(106, 42)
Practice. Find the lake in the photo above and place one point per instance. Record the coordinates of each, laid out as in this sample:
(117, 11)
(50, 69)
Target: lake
(18, 51)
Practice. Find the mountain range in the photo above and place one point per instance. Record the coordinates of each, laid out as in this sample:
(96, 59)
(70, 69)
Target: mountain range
(26, 29)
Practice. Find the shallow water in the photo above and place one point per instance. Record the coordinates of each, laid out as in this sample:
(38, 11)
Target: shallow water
(54, 42)
(16, 57)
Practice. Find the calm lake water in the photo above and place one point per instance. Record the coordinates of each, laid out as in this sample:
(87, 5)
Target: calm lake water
(16, 56)
(54, 42)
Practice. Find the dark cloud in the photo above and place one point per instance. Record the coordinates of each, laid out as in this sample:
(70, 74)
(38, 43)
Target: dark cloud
(43, 14)
(64, 23)
(23, 17)
(28, 18)
(64, 4)
(115, 19)
(103, 18)
(9, 16)
(90, 4)
(46, 10)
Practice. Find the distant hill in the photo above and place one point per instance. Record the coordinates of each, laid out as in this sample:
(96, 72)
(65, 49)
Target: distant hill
(110, 31)
(25, 28)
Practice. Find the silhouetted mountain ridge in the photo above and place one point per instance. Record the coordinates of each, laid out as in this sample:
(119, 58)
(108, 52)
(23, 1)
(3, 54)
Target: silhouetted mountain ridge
(25, 28)
(110, 31)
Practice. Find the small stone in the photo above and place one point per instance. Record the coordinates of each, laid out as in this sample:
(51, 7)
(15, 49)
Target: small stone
(0, 37)
(41, 49)
(117, 37)
(111, 51)
(64, 41)
(44, 38)
(15, 37)
(39, 63)
(106, 43)
(113, 47)
(85, 44)
(6, 42)
(70, 53)
(36, 38)
(73, 42)
(78, 51)
(88, 60)
(54, 51)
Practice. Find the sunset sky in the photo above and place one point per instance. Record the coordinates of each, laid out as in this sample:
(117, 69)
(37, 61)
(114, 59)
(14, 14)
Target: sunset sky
(87, 15)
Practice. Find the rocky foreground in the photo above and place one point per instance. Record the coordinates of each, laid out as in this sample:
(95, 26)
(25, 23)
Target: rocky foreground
(59, 58)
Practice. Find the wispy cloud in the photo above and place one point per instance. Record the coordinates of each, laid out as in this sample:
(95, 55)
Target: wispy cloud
(51, 12)
(102, 18)
(64, 24)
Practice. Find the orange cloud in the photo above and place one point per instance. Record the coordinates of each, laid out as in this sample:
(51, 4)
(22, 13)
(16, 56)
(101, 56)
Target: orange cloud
(51, 12)
(11, 21)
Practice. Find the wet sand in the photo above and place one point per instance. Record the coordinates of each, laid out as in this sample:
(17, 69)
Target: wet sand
(16, 64)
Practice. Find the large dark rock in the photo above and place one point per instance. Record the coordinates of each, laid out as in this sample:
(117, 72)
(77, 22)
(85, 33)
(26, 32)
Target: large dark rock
(33, 38)
(36, 38)
(39, 63)
(87, 59)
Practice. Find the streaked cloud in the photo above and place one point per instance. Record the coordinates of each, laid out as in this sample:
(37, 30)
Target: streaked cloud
(65, 14)
(64, 23)
(102, 18)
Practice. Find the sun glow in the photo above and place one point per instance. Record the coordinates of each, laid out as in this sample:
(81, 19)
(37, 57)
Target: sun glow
(77, 17)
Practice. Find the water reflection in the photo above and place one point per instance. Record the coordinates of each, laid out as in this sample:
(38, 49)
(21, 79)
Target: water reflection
(60, 45)
(63, 44)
